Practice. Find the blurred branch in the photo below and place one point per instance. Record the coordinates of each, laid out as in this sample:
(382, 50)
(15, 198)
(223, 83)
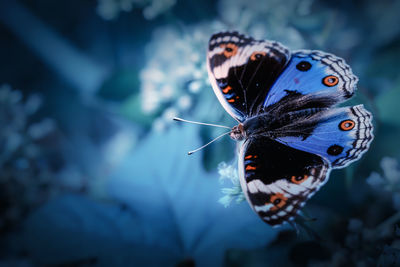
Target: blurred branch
(58, 53)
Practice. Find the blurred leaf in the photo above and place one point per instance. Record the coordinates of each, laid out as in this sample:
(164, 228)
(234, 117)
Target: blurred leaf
(175, 199)
(74, 229)
(169, 214)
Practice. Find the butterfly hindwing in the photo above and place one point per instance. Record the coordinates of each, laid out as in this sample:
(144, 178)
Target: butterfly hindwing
(242, 69)
(340, 135)
(277, 179)
(314, 73)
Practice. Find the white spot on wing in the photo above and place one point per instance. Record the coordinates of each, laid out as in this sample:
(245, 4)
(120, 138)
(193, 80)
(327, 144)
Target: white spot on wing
(281, 213)
(264, 208)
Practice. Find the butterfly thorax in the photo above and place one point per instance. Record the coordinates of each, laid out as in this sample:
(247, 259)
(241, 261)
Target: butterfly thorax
(258, 123)
(252, 126)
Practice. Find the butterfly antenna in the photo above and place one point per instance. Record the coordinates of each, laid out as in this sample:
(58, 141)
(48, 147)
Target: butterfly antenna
(215, 139)
(201, 123)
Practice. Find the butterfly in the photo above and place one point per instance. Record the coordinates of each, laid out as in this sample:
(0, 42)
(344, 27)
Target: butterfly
(285, 104)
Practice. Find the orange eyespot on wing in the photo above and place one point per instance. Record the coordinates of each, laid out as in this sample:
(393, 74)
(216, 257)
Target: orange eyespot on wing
(278, 200)
(257, 55)
(230, 49)
(347, 125)
(330, 80)
(298, 179)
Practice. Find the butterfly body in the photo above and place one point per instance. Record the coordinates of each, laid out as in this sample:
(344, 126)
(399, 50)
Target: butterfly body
(293, 133)
(274, 124)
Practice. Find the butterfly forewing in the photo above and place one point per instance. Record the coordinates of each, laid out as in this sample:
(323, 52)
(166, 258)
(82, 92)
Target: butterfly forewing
(314, 73)
(242, 70)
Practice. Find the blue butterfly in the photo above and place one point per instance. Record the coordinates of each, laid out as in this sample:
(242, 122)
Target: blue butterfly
(285, 104)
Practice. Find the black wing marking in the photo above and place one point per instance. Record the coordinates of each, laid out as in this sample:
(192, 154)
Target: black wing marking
(340, 135)
(277, 180)
(242, 70)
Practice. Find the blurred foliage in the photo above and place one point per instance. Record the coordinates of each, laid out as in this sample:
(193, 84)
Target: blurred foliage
(94, 172)
(27, 161)
(388, 104)
(119, 86)
(110, 9)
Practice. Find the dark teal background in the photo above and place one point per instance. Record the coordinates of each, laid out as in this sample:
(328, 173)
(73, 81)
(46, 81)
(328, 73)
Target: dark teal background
(93, 171)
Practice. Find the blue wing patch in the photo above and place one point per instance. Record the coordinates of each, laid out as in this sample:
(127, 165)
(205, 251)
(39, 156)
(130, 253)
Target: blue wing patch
(317, 73)
(341, 136)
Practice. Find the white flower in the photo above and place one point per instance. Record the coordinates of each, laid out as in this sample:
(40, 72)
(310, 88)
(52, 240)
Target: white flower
(173, 73)
(195, 86)
(235, 192)
(170, 113)
(184, 102)
(226, 171)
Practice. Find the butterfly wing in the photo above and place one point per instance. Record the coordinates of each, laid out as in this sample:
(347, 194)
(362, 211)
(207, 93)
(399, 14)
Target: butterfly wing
(242, 69)
(314, 73)
(277, 179)
(340, 135)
